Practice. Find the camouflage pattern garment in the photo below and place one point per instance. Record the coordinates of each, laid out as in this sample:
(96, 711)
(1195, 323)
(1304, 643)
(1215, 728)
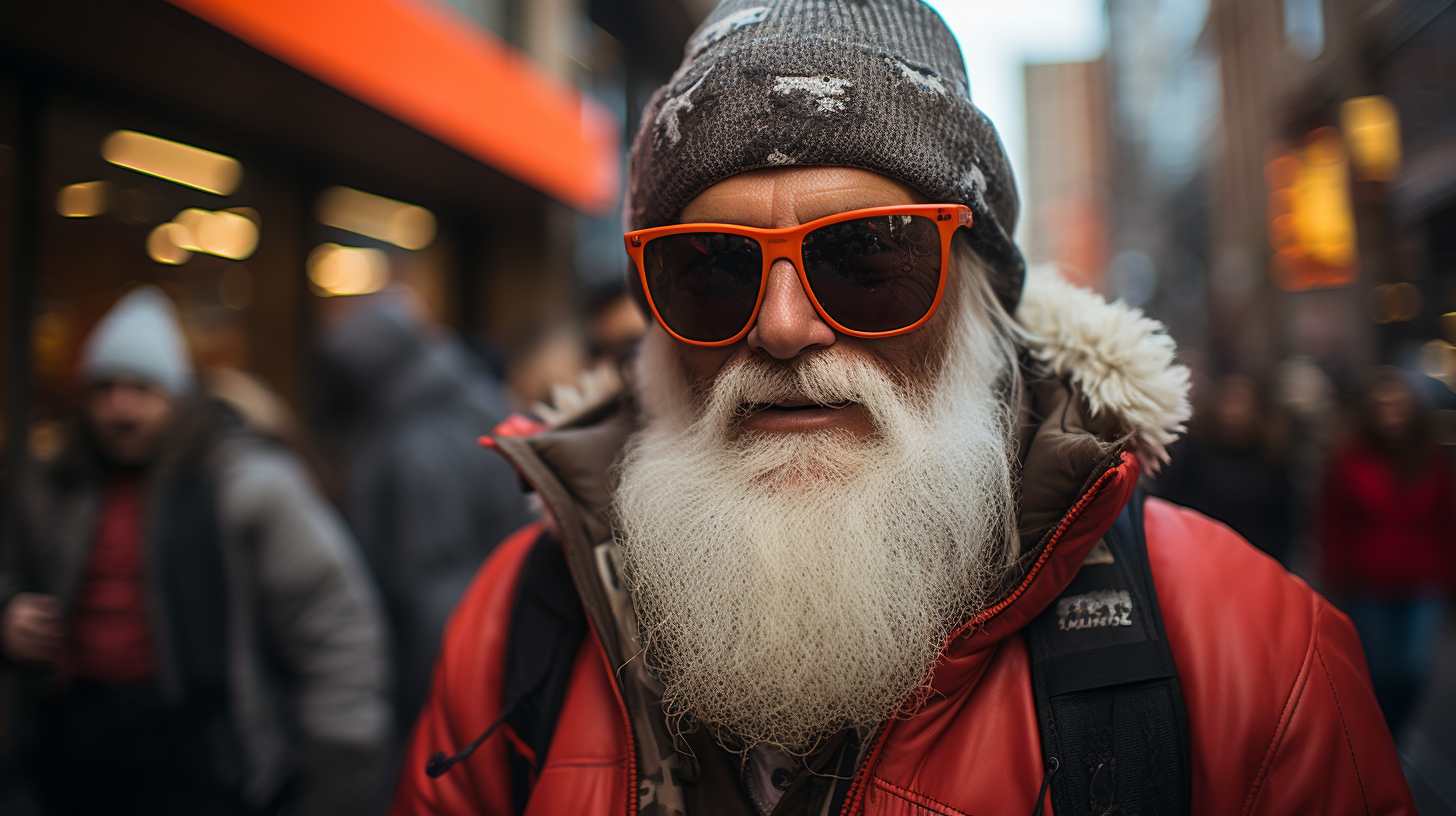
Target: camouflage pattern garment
(661, 764)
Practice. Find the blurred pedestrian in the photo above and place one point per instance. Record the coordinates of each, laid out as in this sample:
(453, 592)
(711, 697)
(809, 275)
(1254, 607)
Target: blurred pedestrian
(426, 503)
(1387, 529)
(1232, 467)
(614, 324)
(542, 358)
(200, 634)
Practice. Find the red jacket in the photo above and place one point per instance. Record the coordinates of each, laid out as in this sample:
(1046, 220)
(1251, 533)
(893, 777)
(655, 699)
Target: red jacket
(1279, 703)
(1383, 534)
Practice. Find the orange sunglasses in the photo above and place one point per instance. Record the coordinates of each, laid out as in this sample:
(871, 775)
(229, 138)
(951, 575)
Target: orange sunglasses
(876, 272)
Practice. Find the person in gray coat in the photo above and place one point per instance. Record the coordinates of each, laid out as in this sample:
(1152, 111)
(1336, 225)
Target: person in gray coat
(200, 633)
(426, 503)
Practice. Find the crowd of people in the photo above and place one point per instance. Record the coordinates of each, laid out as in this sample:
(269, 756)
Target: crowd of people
(211, 610)
(1377, 520)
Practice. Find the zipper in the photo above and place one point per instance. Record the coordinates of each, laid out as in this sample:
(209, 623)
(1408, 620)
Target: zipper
(626, 729)
(1056, 535)
(861, 782)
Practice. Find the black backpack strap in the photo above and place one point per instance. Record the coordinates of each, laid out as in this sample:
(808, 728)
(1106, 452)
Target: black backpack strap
(1113, 725)
(546, 629)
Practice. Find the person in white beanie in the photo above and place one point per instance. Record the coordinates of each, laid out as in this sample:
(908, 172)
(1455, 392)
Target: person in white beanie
(200, 633)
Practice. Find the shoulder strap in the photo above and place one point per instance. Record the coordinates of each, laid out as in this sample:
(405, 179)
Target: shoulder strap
(546, 629)
(1113, 726)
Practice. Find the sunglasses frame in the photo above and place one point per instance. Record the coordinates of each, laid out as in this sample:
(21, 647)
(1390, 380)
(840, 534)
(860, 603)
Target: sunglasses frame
(788, 244)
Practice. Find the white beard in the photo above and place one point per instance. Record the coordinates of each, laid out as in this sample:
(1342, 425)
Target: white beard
(788, 586)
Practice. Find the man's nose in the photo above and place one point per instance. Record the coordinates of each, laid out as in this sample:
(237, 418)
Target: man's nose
(787, 322)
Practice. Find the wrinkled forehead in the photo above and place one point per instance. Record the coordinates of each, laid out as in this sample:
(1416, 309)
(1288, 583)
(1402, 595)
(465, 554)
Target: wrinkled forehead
(785, 197)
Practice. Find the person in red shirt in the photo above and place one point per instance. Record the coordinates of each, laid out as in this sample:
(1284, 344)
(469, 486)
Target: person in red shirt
(198, 633)
(1387, 530)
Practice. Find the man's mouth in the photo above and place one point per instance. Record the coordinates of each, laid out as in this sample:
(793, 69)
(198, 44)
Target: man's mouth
(801, 414)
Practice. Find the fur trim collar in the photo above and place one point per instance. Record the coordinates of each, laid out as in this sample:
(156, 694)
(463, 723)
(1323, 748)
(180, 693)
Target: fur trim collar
(1121, 361)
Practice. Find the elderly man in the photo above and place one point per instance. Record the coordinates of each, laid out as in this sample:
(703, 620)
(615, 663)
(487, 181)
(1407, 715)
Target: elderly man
(863, 537)
(201, 636)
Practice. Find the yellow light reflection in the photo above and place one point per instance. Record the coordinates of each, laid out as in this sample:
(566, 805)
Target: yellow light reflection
(223, 233)
(165, 244)
(83, 200)
(1311, 220)
(1372, 128)
(1326, 225)
(408, 226)
(1448, 325)
(176, 162)
(341, 270)
(1438, 360)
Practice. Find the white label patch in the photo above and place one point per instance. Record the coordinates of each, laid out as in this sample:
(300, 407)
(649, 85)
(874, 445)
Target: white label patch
(825, 90)
(1105, 607)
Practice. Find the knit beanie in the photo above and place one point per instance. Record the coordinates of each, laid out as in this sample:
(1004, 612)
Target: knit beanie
(874, 84)
(139, 339)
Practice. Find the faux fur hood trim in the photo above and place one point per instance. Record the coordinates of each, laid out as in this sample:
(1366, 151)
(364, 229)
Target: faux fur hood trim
(1121, 361)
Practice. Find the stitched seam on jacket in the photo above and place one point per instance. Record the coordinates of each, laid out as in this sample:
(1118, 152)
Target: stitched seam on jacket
(1291, 704)
(1348, 743)
(914, 798)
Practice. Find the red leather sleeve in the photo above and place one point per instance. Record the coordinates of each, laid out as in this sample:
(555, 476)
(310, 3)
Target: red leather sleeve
(1335, 755)
(1280, 710)
(464, 699)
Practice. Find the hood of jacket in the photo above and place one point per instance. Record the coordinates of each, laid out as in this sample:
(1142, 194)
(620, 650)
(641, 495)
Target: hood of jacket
(1102, 398)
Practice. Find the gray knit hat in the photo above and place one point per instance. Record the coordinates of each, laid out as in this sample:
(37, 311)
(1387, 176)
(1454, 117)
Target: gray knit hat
(140, 338)
(875, 84)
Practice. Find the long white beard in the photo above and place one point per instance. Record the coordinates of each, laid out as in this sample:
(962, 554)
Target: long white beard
(791, 585)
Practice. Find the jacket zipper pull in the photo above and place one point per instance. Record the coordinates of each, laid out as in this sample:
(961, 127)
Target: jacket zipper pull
(1052, 766)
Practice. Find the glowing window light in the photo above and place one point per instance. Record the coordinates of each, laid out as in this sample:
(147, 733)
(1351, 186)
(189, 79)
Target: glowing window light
(408, 226)
(1311, 221)
(340, 270)
(223, 233)
(164, 244)
(176, 162)
(83, 200)
(1372, 128)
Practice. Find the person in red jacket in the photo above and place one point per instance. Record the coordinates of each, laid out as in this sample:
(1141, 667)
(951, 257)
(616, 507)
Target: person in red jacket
(1387, 531)
(861, 453)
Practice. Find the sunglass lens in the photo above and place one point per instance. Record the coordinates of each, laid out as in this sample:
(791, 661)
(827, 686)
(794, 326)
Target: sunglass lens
(704, 284)
(875, 274)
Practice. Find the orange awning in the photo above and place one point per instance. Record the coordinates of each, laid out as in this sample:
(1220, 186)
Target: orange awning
(445, 75)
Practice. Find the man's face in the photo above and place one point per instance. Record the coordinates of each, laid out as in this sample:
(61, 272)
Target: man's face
(1394, 412)
(804, 517)
(127, 420)
(788, 327)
